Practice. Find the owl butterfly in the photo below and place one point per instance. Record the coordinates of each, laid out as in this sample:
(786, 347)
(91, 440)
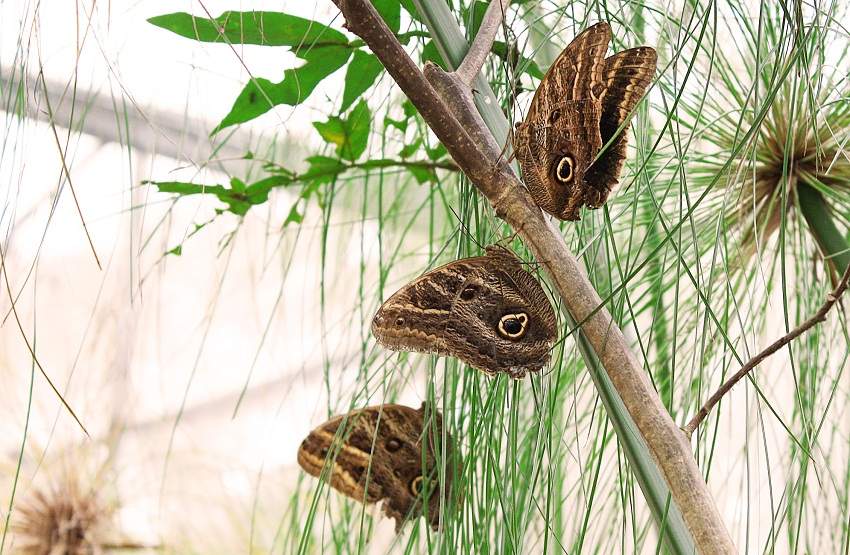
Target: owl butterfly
(376, 453)
(487, 311)
(581, 104)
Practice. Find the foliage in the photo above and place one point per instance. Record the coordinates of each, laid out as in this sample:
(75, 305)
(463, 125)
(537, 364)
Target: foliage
(736, 192)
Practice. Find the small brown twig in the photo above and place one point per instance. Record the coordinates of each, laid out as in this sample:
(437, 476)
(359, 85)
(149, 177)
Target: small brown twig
(816, 318)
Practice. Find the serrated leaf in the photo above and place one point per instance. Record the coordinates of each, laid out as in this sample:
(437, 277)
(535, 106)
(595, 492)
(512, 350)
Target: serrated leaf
(261, 95)
(263, 28)
(361, 73)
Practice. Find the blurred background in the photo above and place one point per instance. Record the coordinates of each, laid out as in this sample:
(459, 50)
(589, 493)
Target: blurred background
(198, 346)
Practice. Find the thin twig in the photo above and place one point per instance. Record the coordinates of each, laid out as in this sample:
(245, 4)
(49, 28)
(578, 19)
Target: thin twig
(483, 43)
(815, 319)
(448, 115)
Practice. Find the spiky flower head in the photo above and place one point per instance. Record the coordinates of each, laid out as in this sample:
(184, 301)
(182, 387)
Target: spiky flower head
(770, 129)
(61, 520)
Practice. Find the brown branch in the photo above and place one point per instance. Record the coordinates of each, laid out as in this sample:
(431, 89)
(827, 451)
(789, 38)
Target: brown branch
(815, 319)
(483, 43)
(457, 125)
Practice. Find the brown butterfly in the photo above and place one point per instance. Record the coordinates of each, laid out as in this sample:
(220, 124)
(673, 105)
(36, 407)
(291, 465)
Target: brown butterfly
(582, 103)
(488, 311)
(385, 452)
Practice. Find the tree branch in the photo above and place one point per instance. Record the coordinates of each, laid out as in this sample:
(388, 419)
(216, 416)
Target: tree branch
(815, 319)
(453, 121)
(483, 43)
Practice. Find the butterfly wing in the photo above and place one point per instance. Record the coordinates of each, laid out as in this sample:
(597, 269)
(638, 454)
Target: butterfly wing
(457, 309)
(575, 74)
(626, 77)
(502, 317)
(376, 453)
(339, 451)
(560, 135)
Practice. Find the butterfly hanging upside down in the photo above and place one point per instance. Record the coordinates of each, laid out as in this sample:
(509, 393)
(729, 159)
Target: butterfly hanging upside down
(582, 103)
(386, 453)
(488, 311)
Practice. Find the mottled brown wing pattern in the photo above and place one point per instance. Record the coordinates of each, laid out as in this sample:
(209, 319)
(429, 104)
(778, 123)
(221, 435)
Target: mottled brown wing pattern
(579, 105)
(626, 77)
(560, 136)
(575, 74)
(486, 310)
(376, 453)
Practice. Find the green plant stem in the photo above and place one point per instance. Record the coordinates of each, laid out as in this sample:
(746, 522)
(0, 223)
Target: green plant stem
(816, 212)
(453, 47)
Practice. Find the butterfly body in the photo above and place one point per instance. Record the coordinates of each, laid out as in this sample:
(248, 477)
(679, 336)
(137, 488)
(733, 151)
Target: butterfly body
(377, 453)
(582, 104)
(487, 311)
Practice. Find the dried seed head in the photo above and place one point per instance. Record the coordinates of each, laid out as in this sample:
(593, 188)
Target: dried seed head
(61, 519)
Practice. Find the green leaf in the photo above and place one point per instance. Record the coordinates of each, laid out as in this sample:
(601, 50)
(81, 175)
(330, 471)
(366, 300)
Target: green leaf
(332, 131)
(512, 58)
(422, 174)
(294, 217)
(260, 95)
(239, 198)
(264, 28)
(390, 10)
(176, 251)
(350, 135)
(323, 169)
(411, 149)
(182, 188)
(361, 73)
(473, 16)
(237, 185)
(431, 54)
(400, 124)
(410, 8)
(437, 152)
(409, 108)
